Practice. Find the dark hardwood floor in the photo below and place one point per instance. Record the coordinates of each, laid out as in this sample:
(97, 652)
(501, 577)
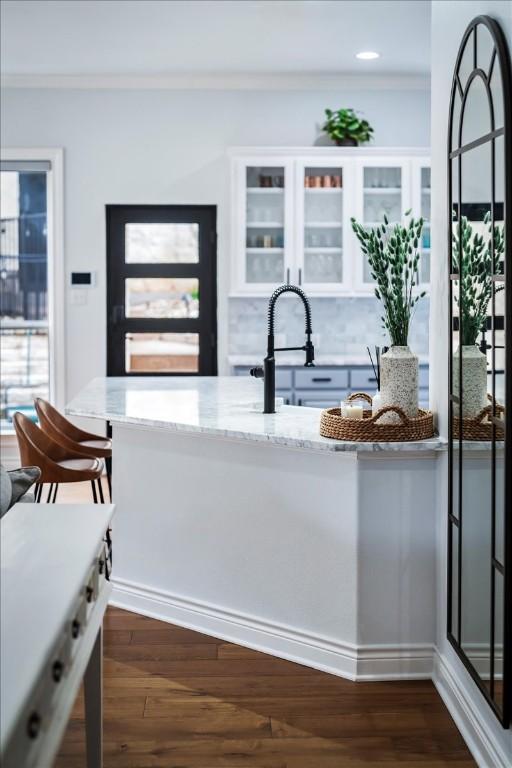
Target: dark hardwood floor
(175, 698)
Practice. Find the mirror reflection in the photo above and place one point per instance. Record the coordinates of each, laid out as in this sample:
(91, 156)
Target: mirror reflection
(478, 341)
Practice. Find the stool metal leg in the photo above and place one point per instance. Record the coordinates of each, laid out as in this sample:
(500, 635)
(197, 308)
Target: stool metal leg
(100, 489)
(50, 491)
(94, 496)
(55, 493)
(108, 465)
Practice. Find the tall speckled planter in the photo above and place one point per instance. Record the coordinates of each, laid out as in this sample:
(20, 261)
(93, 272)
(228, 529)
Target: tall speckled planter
(474, 380)
(399, 382)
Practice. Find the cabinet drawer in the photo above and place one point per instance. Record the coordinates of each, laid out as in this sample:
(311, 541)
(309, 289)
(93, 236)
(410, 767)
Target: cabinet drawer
(315, 399)
(363, 380)
(283, 376)
(321, 378)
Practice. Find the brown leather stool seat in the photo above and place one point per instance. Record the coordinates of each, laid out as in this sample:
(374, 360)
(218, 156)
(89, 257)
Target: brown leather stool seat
(77, 440)
(58, 464)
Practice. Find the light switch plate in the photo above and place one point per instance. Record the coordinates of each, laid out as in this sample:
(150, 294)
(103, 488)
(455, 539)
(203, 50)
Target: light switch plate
(78, 297)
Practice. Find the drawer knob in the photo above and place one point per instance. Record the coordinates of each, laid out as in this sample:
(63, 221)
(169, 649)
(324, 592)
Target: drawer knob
(75, 628)
(33, 725)
(101, 565)
(57, 670)
(89, 592)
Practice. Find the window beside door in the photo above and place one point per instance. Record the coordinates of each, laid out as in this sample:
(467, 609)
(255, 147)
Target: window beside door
(24, 340)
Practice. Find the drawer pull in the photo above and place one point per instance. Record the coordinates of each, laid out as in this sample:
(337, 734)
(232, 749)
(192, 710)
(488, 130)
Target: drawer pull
(57, 671)
(371, 378)
(33, 725)
(75, 629)
(323, 379)
(101, 565)
(89, 592)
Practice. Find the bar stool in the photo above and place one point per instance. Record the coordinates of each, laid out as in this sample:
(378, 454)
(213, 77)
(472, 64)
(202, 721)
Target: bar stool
(57, 463)
(66, 434)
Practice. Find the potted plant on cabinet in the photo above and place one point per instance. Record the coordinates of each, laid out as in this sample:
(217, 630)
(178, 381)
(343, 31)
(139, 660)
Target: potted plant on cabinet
(392, 252)
(472, 258)
(345, 128)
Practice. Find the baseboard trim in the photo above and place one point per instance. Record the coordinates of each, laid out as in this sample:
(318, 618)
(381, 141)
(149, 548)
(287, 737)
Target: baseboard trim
(375, 662)
(467, 716)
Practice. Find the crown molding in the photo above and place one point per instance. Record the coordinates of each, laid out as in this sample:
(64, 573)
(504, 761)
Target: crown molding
(220, 82)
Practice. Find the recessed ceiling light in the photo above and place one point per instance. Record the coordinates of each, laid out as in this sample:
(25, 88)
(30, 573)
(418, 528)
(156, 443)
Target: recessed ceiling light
(367, 55)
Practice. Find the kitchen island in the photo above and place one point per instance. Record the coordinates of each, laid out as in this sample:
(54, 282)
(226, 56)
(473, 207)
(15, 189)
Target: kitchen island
(253, 528)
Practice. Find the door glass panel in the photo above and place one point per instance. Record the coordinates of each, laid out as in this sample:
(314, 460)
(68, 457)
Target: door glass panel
(24, 362)
(455, 580)
(264, 234)
(477, 467)
(323, 225)
(499, 636)
(382, 196)
(162, 297)
(161, 243)
(162, 352)
(476, 121)
(497, 96)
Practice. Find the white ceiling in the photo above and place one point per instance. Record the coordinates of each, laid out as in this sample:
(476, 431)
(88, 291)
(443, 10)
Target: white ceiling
(166, 37)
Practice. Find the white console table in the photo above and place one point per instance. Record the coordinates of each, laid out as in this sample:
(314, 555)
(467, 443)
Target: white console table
(55, 568)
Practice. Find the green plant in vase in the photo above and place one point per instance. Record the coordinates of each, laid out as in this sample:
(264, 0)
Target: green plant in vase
(473, 260)
(393, 256)
(476, 257)
(345, 128)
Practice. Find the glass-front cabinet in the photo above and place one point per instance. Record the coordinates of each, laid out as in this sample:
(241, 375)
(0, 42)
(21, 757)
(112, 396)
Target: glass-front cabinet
(382, 189)
(291, 212)
(265, 237)
(320, 245)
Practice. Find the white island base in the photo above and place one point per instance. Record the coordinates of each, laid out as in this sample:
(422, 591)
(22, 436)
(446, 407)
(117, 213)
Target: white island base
(254, 529)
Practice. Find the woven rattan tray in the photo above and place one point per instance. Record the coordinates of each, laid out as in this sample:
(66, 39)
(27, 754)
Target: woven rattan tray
(370, 429)
(480, 428)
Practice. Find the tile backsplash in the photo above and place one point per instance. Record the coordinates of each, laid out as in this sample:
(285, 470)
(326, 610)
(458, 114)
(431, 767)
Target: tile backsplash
(342, 326)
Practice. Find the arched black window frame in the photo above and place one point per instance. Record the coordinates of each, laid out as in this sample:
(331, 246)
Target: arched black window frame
(501, 54)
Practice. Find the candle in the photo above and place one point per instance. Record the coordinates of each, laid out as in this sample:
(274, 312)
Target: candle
(349, 411)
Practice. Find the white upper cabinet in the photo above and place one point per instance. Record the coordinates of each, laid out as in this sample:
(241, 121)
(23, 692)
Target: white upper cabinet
(291, 213)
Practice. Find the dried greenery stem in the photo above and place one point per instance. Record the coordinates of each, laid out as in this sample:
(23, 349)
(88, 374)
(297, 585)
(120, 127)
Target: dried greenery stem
(392, 252)
(472, 256)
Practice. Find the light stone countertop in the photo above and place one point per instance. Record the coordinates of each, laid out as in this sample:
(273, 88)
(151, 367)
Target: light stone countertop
(225, 407)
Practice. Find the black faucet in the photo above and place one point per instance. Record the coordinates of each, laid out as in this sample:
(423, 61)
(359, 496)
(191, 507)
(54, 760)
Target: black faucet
(268, 372)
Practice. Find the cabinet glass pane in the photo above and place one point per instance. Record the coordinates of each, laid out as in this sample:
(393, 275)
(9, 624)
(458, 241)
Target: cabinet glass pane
(425, 213)
(162, 243)
(162, 297)
(162, 352)
(264, 236)
(323, 225)
(382, 196)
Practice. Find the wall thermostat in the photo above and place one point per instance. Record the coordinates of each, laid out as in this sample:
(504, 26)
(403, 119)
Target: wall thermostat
(83, 279)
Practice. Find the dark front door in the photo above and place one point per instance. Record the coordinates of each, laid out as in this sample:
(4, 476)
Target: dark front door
(161, 290)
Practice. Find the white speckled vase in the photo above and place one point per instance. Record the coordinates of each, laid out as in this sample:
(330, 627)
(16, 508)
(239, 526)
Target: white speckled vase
(399, 382)
(474, 380)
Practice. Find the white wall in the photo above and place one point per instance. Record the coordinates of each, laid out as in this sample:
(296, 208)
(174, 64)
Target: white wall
(449, 21)
(166, 146)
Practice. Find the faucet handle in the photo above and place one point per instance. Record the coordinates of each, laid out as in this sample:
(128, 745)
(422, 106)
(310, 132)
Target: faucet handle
(257, 372)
